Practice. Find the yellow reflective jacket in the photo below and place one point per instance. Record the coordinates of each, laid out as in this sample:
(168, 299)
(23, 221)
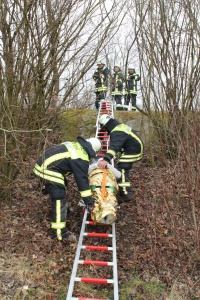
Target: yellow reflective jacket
(64, 159)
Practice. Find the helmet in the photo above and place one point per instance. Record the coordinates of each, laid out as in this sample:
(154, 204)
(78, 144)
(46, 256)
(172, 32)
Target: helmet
(103, 120)
(99, 62)
(131, 69)
(116, 67)
(95, 143)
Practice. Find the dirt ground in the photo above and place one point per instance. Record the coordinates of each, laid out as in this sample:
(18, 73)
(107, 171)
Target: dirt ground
(155, 240)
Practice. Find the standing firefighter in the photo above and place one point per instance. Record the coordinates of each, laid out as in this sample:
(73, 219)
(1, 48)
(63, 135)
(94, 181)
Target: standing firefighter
(100, 77)
(52, 167)
(131, 87)
(122, 139)
(117, 87)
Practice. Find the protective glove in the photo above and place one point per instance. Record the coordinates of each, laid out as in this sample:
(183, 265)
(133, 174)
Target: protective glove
(89, 203)
(90, 207)
(65, 181)
(44, 190)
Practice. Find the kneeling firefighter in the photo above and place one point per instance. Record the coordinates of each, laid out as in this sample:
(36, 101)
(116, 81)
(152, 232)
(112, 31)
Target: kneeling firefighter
(52, 168)
(125, 141)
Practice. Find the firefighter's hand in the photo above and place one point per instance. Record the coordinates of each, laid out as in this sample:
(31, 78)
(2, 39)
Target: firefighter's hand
(102, 164)
(89, 203)
(90, 207)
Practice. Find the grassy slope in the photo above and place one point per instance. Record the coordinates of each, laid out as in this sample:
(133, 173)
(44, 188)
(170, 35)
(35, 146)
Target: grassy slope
(157, 254)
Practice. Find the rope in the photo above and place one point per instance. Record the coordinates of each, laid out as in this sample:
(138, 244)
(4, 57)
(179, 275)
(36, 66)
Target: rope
(104, 192)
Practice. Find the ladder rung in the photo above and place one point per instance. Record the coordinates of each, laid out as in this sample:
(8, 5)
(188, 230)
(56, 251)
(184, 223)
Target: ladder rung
(95, 262)
(94, 280)
(89, 298)
(90, 222)
(101, 136)
(102, 131)
(104, 137)
(102, 248)
(97, 234)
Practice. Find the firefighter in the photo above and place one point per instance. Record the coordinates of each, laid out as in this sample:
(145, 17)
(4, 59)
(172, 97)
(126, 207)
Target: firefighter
(117, 87)
(52, 168)
(131, 87)
(125, 142)
(100, 77)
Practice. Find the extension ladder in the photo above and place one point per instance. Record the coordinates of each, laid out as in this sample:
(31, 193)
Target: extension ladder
(106, 107)
(77, 261)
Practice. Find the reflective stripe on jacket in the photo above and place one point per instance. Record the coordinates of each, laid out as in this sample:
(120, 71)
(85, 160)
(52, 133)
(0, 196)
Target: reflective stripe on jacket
(62, 160)
(118, 79)
(101, 79)
(123, 137)
(131, 83)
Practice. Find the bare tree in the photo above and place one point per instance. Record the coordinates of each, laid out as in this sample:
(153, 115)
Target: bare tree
(41, 42)
(169, 58)
(167, 41)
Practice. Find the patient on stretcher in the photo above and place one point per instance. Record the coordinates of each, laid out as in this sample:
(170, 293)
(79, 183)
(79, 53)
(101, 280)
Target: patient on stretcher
(103, 183)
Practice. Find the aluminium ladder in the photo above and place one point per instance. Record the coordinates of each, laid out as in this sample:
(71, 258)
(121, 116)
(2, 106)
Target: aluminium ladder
(106, 107)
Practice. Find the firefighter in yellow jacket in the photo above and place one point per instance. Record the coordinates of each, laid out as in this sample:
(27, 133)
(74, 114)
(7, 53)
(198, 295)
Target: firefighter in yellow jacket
(100, 77)
(52, 168)
(117, 87)
(130, 93)
(124, 141)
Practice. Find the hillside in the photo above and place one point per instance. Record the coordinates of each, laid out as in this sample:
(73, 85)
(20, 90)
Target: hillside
(157, 253)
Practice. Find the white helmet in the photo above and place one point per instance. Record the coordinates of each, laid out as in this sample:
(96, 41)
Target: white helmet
(103, 120)
(95, 143)
(99, 62)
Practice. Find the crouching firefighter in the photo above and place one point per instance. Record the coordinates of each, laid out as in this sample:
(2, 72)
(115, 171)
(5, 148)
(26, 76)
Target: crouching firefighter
(52, 168)
(125, 141)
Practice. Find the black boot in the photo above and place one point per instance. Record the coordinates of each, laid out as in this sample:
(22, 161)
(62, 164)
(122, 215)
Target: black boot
(65, 235)
(124, 197)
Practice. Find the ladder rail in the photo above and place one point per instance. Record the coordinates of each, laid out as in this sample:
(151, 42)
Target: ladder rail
(78, 251)
(115, 274)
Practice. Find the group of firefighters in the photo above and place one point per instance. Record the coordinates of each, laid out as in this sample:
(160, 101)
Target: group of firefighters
(121, 86)
(56, 163)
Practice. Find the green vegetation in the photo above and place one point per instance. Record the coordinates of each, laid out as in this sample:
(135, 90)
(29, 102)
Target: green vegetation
(138, 289)
(78, 122)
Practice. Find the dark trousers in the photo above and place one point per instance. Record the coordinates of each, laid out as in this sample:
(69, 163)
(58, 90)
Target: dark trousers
(99, 96)
(130, 98)
(58, 208)
(118, 100)
(124, 180)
